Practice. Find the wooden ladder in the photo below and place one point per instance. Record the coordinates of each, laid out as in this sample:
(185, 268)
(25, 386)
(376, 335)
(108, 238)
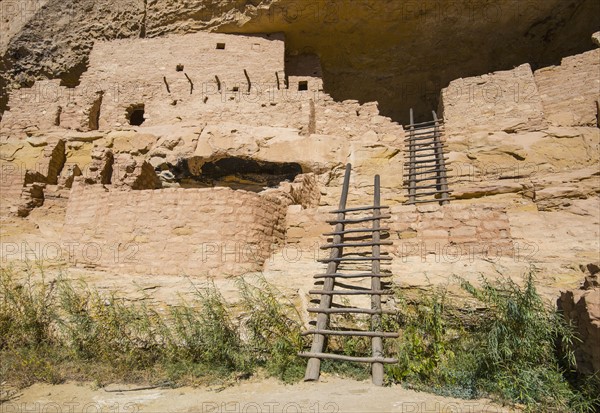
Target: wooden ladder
(427, 175)
(343, 252)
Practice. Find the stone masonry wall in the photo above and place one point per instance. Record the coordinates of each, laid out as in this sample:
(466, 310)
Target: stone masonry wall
(569, 92)
(481, 230)
(452, 230)
(176, 74)
(173, 231)
(506, 100)
(47, 105)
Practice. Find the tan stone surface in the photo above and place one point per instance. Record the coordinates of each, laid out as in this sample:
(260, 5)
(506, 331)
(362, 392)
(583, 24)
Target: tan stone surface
(505, 101)
(331, 394)
(569, 92)
(582, 308)
(359, 41)
(526, 189)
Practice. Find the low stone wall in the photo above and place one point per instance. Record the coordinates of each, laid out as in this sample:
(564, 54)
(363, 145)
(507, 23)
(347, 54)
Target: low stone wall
(47, 105)
(454, 231)
(173, 231)
(505, 101)
(569, 92)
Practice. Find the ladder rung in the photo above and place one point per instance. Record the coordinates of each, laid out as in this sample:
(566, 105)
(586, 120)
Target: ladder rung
(443, 191)
(424, 155)
(425, 131)
(363, 208)
(341, 259)
(352, 292)
(349, 358)
(426, 201)
(408, 162)
(350, 311)
(429, 171)
(432, 143)
(407, 186)
(430, 137)
(361, 275)
(356, 333)
(354, 244)
(431, 178)
(354, 231)
(422, 136)
(438, 146)
(440, 121)
(358, 220)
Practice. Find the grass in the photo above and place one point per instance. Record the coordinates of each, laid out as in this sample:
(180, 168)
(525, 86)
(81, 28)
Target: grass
(512, 346)
(51, 332)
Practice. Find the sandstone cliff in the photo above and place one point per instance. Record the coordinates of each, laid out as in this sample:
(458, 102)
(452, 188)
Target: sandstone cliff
(397, 53)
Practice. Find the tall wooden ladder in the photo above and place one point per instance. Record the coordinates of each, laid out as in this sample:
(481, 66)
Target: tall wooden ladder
(426, 174)
(346, 262)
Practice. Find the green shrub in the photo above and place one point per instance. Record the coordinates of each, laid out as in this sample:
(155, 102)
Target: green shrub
(518, 349)
(514, 347)
(27, 310)
(274, 328)
(107, 328)
(205, 333)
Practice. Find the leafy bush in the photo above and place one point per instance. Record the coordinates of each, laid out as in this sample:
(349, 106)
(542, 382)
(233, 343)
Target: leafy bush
(51, 331)
(518, 349)
(273, 329)
(26, 310)
(205, 333)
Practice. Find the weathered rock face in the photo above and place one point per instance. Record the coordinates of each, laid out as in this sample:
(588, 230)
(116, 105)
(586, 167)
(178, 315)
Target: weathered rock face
(398, 53)
(165, 160)
(148, 118)
(524, 132)
(582, 308)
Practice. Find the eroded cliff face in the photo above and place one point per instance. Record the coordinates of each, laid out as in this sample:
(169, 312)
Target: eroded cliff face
(399, 53)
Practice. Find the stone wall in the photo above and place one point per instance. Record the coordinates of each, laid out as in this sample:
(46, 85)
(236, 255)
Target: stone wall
(175, 86)
(481, 230)
(570, 92)
(167, 73)
(506, 101)
(476, 230)
(47, 105)
(192, 232)
(535, 135)
(171, 78)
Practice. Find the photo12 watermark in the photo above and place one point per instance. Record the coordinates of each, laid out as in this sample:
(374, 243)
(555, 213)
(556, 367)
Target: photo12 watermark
(68, 407)
(269, 407)
(70, 252)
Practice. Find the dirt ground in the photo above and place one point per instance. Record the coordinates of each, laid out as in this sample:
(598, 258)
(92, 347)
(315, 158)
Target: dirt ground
(330, 395)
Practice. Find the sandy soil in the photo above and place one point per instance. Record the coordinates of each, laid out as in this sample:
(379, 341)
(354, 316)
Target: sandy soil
(330, 395)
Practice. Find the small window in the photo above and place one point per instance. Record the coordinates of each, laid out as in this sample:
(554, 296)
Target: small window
(179, 67)
(135, 114)
(221, 46)
(236, 89)
(303, 85)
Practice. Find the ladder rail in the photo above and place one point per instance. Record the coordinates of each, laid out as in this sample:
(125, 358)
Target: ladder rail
(313, 368)
(377, 371)
(442, 177)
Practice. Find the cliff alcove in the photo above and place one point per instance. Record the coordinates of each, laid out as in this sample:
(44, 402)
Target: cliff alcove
(232, 172)
(400, 53)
